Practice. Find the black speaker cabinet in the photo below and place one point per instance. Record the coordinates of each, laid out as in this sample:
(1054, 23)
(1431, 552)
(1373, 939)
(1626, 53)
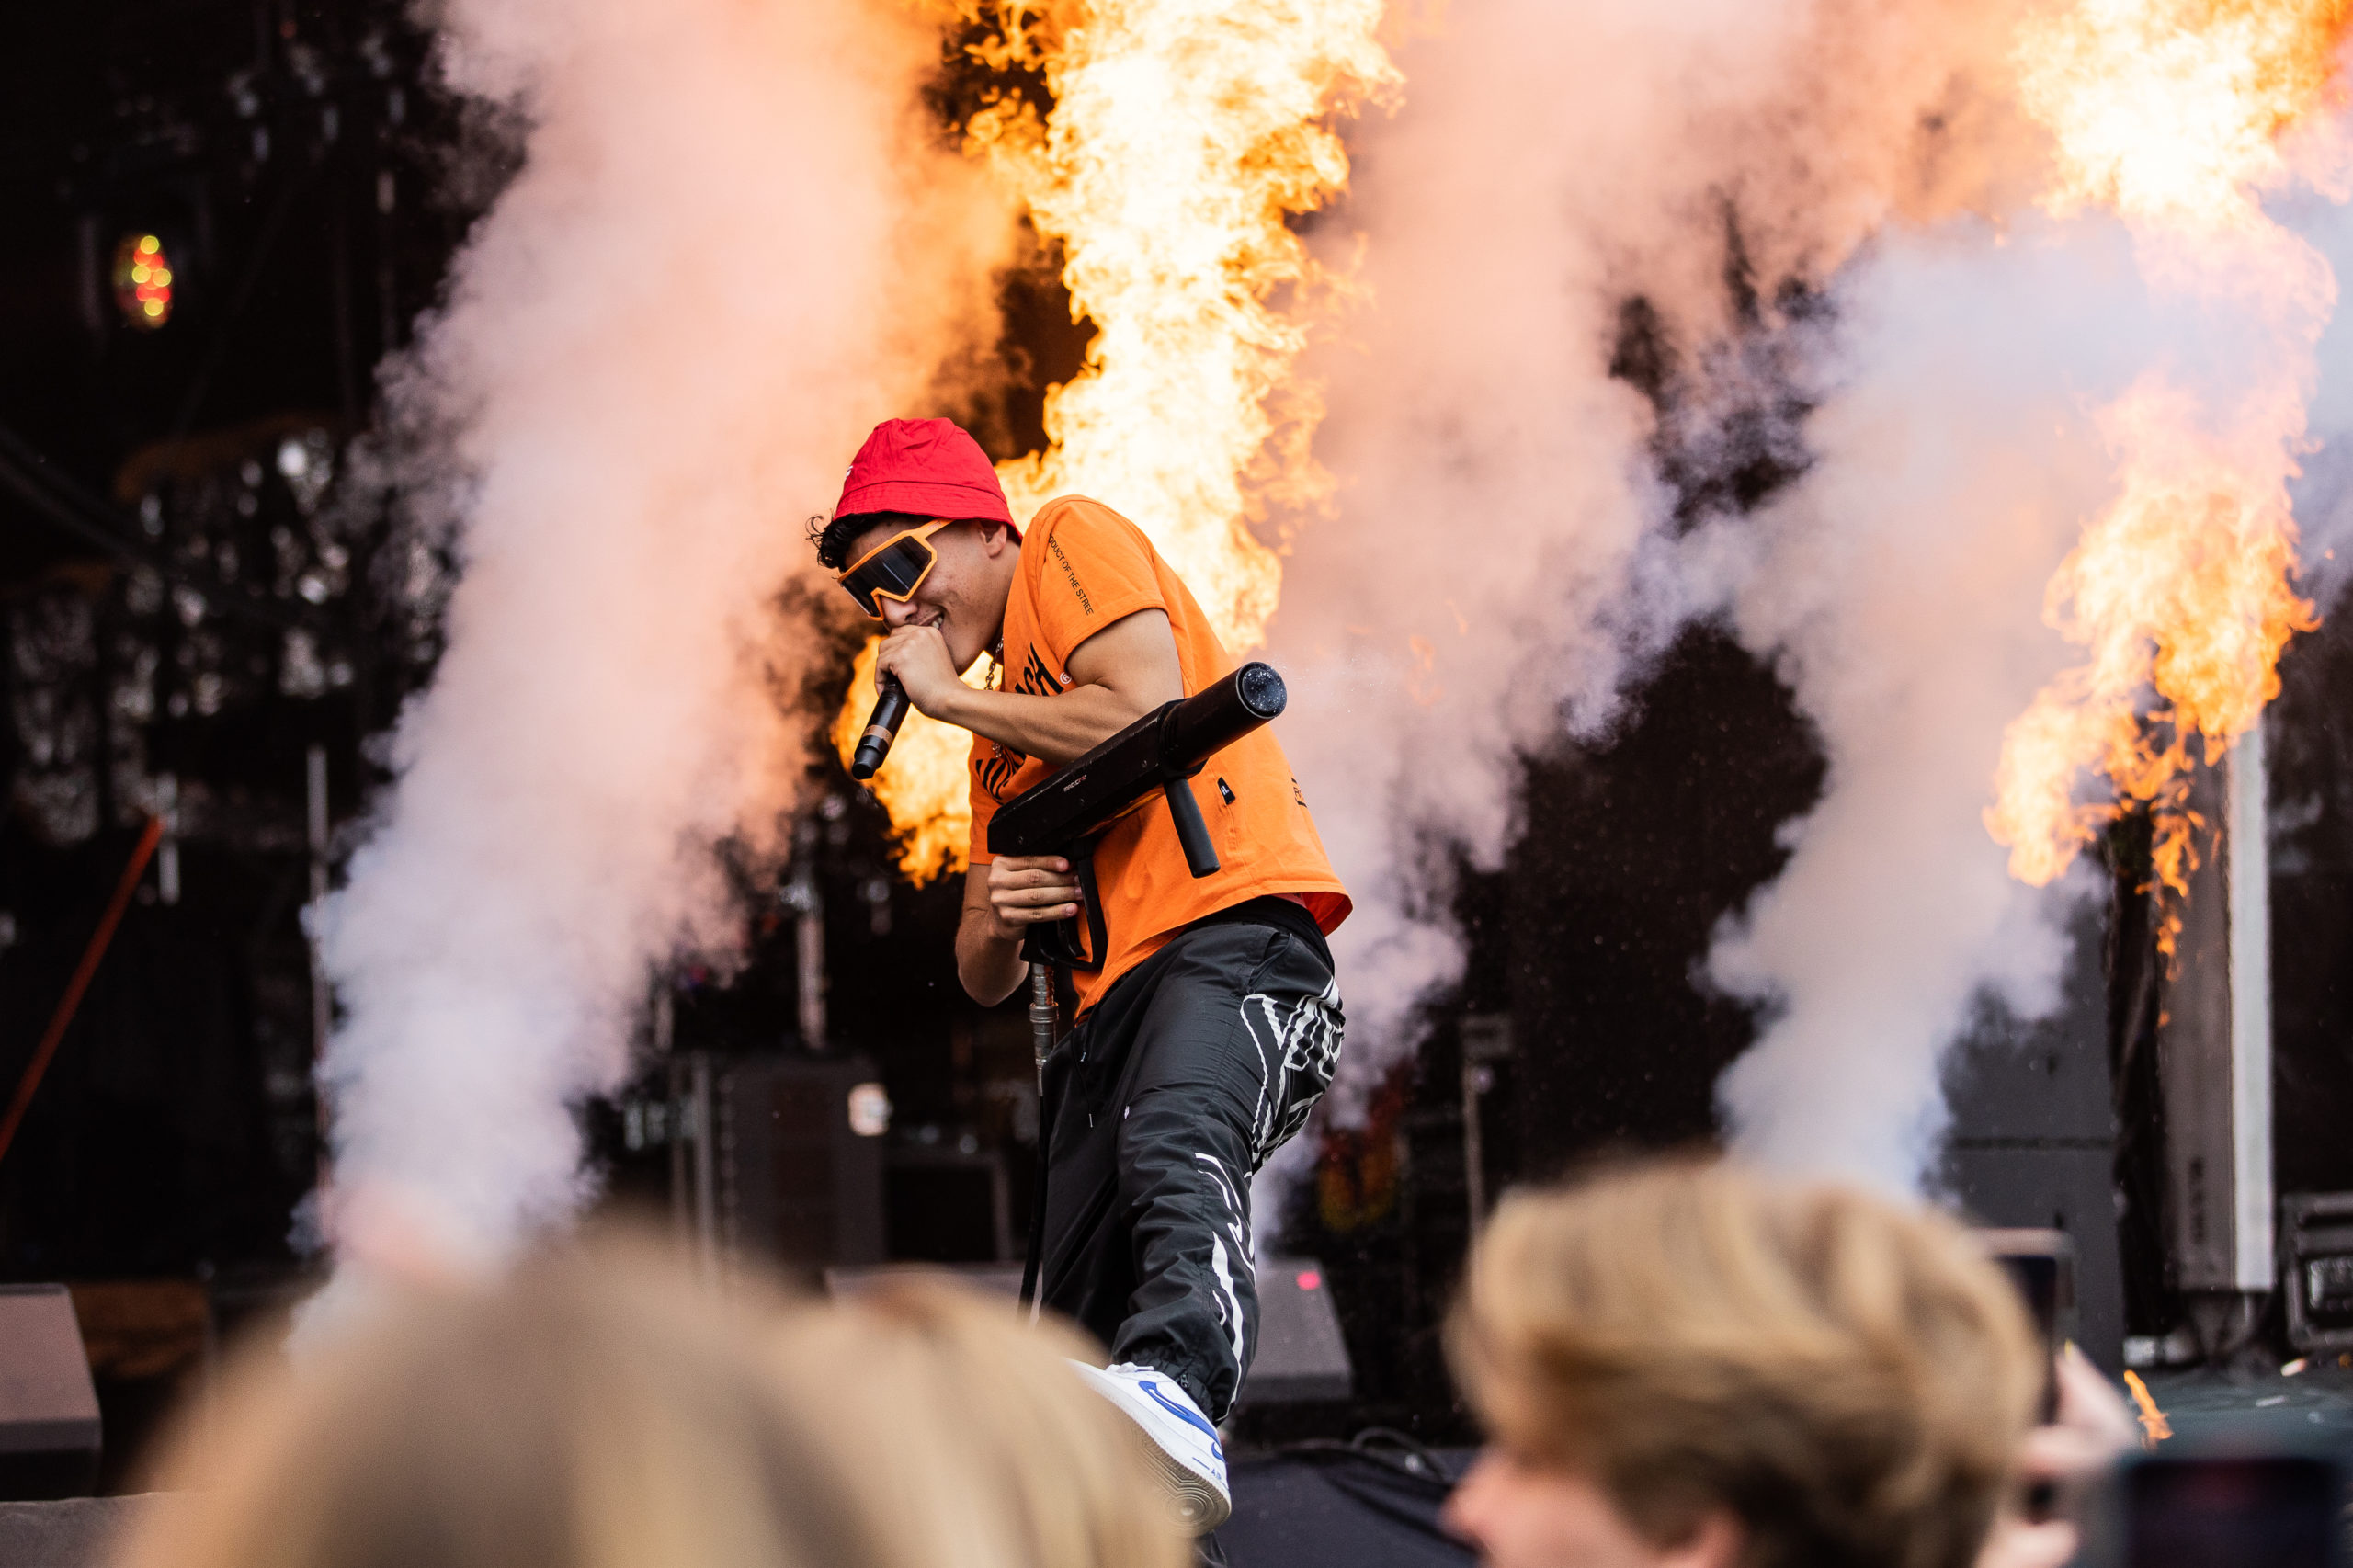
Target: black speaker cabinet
(800, 1158)
(48, 1409)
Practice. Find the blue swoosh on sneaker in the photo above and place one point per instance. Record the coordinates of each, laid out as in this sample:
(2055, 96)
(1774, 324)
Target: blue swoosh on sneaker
(1186, 1417)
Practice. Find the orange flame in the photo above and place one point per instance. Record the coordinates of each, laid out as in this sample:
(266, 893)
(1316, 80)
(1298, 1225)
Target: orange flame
(2173, 109)
(2155, 1427)
(1183, 136)
(1182, 139)
(2172, 112)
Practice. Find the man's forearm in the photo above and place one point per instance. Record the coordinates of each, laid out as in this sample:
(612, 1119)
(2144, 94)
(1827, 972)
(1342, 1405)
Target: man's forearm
(990, 966)
(1056, 729)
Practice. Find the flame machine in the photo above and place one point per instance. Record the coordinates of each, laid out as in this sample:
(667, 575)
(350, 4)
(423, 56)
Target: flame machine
(1066, 813)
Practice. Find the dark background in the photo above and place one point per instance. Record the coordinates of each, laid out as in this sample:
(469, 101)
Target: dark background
(200, 580)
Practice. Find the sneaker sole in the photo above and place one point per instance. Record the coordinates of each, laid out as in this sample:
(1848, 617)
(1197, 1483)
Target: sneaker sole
(1200, 1507)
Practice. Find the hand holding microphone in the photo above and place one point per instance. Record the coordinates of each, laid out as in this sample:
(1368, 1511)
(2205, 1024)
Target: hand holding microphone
(913, 661)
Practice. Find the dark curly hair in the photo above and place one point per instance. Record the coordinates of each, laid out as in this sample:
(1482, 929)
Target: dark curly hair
(832, 536)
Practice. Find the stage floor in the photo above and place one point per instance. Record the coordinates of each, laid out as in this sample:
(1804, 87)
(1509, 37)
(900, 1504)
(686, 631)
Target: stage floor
(2315, 1406)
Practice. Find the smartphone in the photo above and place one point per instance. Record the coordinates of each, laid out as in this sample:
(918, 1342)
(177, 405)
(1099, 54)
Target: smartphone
(2041, 1264)
(2279, 1510)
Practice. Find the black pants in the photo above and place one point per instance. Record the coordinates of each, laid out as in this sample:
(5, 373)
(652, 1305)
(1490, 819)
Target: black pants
(1159, 1106)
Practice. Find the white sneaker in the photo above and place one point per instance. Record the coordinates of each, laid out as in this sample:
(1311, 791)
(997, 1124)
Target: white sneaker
(1185, 1450)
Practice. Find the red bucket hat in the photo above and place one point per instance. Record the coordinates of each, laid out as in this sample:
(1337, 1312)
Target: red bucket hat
(928, 467)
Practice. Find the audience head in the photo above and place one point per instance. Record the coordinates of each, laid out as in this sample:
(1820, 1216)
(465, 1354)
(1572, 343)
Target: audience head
(1689, 1365)
(592, 1409)
(596, 1407)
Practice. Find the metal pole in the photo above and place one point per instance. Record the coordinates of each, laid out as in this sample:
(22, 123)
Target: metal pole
(673, 1096)
(2248, 870)
(1486, 1039)
(168, 854)
(1045, 1014)
(80, 982)
(802, 895)
(2214, 1063)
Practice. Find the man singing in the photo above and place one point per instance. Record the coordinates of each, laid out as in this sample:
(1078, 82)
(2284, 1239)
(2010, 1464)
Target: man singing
(1212, 1024)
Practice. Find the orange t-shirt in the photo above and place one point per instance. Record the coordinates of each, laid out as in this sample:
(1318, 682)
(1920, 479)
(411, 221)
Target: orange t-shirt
(1081, 567)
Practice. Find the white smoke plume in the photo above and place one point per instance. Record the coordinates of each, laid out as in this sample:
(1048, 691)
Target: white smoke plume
(1900, 587)
(2324, 492)
(733, 245)
(1508, 555)
(1501, 565)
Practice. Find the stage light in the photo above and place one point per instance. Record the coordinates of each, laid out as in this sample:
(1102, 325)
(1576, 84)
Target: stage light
(142, 282)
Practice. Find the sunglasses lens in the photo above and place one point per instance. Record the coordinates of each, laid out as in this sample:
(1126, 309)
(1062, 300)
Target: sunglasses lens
(897, 569)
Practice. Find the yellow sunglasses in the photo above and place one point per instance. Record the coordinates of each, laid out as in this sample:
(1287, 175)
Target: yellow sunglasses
(893, 569)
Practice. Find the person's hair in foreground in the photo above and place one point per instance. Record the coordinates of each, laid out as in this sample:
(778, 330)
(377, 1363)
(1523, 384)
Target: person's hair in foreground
(596, 1408)
(1747, 1371)
(1023, 1451)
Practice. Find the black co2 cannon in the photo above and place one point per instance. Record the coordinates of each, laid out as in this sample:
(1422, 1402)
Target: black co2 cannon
(1066, 812)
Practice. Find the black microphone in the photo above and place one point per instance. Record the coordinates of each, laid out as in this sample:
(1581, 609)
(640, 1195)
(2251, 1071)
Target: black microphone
(882, 728)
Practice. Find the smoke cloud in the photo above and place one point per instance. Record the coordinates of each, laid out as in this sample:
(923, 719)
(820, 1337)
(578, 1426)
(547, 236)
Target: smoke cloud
(1506, 559)
(1520, 531)
(733, 245)
(2323, 491)
(1899, 588)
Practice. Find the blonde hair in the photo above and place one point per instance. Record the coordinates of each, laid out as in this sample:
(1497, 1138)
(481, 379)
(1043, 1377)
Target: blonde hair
(1848, 1379)
(591, 1409)
(1019, 1461)
(598, 1408)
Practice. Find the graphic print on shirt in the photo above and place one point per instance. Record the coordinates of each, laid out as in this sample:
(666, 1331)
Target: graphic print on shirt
(1070, 575)
(997, 770)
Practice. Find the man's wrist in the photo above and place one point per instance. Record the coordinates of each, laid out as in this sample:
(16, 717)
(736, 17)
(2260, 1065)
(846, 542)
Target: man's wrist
(967, 709)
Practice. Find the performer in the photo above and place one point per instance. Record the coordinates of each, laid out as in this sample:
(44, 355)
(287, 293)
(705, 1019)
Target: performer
(1212, 1027)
